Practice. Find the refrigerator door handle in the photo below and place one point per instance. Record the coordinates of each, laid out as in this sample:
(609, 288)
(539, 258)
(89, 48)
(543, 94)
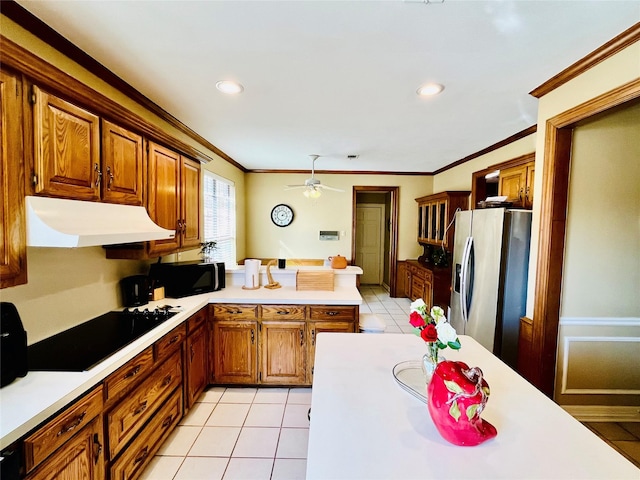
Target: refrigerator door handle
(464, 278)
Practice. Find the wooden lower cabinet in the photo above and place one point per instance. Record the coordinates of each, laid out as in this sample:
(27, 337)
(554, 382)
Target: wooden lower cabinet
(271, 344)
(139, 453)
(196, 365)
(235, 347)
(432, 284)
(80, 458)
(282, 352)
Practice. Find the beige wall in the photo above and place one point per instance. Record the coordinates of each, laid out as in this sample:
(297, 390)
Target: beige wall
(68, 286)
(332, 211)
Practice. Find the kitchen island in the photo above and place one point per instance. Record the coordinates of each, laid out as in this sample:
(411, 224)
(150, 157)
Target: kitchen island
(29, 401)
(365, 426)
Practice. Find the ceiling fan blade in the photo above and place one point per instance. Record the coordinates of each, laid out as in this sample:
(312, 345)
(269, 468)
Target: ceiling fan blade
(291, 187)
(327, 187)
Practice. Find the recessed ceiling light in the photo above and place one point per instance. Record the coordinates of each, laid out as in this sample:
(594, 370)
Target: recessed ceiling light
(229, 86)
(429, 89)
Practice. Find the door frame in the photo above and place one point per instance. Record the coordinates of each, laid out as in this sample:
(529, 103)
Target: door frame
(393, 219)
(550, 263)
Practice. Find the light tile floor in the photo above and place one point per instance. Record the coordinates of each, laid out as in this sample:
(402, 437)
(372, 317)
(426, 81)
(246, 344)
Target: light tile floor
(262, 433)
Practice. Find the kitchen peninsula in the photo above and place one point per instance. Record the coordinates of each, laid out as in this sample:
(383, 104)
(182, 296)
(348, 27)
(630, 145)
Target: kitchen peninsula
(28, 402)
(370, 428)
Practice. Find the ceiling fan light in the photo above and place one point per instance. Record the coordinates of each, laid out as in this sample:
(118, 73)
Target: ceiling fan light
(230, 87)
(312, 192)
(429, 89)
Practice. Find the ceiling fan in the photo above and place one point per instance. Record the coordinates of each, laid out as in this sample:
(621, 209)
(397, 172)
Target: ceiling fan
(312, 186)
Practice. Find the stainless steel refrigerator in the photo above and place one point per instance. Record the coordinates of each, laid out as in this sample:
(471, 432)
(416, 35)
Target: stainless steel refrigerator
(489, 284)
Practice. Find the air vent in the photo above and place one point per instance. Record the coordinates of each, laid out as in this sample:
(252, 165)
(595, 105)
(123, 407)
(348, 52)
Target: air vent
(352, 157)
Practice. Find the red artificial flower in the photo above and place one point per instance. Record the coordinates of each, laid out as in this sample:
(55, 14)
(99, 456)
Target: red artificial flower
(429, 334)
(416, 320)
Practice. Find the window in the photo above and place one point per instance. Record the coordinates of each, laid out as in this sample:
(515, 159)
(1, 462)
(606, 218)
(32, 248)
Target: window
(220, 216)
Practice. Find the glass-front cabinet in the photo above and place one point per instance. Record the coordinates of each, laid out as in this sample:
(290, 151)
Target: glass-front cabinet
(435, 216)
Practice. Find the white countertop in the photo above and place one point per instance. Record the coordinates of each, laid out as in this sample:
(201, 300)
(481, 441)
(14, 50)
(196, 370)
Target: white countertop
(365, 426)
(29, 401)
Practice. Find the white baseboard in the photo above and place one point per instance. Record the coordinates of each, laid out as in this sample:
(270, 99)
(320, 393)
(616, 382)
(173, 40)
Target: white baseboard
(603, 413)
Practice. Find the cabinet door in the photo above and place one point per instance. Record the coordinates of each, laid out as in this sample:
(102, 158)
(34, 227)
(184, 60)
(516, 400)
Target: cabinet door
(197, 362)
(81, 458)
(282, 352)
(163, 201)
(190, 203)
(512, 184)
(314, 328)
(235, 350)
(122, 165)
(13, 240)
(528, 194)
(66, 149)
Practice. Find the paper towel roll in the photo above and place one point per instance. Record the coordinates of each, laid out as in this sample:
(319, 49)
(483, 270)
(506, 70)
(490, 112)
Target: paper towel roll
(251, 273)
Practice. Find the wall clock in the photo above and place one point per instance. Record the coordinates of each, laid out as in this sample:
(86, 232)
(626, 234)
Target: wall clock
(282, 215)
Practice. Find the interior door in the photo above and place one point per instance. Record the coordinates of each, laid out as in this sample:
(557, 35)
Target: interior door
(370, 242)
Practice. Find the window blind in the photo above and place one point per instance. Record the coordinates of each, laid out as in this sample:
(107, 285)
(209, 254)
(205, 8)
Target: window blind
(220, 217)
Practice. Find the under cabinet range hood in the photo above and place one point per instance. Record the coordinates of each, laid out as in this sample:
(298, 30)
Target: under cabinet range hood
(57, 222)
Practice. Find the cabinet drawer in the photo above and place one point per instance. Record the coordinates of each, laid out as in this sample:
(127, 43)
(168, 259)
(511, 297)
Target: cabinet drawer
(129, 374)
(170, 342)
(284, 312)
(318, 312)
(41, 444)
(196, 320)
(133, 460)
(124, 420)
(235, 312)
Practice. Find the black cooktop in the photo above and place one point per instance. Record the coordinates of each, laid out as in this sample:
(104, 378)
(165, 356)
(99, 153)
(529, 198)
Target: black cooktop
(84, 346)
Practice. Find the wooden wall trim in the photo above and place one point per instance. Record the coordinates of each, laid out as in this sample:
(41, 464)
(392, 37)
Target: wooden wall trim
(517, 136)
(615, 45)
(344, 172)
(514, 162)
(56, 81)
(548, 285)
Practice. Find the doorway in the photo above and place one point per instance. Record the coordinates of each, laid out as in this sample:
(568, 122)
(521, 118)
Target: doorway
(374, 248)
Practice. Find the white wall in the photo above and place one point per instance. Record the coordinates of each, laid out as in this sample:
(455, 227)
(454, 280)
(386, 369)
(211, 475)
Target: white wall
(332, 211)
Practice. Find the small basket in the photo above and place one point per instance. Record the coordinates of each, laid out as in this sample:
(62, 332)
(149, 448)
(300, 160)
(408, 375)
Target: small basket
(314, 280)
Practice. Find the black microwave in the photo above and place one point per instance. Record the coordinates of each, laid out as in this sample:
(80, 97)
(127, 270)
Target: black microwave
(182, 279)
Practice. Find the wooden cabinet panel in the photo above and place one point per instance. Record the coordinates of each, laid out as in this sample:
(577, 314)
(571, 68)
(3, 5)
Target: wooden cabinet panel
(66, 148)
(313, 329)
(528, 192)
(163, 201)
(283, 312)
(282, 352)
(190, 203)
(63, 427)
(516, 183)
(235, 312)
(170, 342)
(123, 165)
(131, 463)
(197, 373)
(13, 237)
(128, 375)
(235, 346)
(126, 418)
(324, 312)
(81, 458)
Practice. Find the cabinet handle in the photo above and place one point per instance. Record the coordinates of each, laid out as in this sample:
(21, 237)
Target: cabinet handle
(96, 451)
(96, 168)
(301, 337)
(143, 454)
(174, 339)
(253, 336)
(281, 312)
(110, 175)
(184, 226)
(527, 193)
(141, 408)
(313, 336)
(71, 425)
(167, 421)
(193, 353)
(166, 381)
(520, 194)
(332, 313)
(132, 373)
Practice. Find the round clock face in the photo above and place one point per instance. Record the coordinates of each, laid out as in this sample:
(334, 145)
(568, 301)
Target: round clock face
(282, 215)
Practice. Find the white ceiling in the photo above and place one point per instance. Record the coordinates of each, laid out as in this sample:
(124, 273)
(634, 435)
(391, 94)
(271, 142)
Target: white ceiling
(336, 78)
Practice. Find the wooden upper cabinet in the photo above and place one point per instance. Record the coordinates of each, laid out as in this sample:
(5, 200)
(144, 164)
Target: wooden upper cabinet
(66, 148)
(13, 240)
(123, 165)
(190, 202)
(163, 189)
(435, 214)
(173, 198)
(516, 183)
